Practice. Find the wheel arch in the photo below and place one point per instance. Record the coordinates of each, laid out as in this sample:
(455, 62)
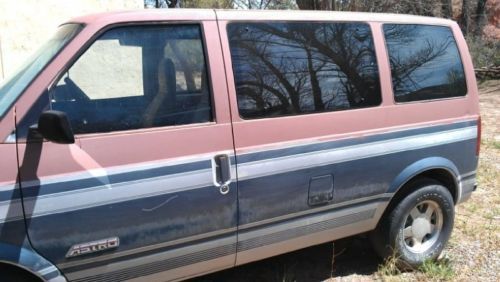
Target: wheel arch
(437, 168)
(28, 261)
(14, 267)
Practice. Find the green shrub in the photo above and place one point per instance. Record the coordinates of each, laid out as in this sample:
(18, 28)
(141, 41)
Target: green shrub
(484, 53)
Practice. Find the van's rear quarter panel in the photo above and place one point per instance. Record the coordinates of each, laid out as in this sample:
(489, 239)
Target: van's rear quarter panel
(280, 192)
(355, 177)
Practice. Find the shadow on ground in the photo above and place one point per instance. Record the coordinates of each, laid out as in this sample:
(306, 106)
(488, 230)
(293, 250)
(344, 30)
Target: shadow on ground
(352, 256)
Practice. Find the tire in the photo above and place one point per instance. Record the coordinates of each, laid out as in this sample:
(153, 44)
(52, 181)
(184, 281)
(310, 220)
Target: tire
(418, 227)
(10, 273)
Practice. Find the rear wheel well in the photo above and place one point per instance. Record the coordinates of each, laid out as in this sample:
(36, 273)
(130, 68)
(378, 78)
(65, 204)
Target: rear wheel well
(11, 272)
(443, 176)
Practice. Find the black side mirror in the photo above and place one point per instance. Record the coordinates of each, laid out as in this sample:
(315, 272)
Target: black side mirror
(54, 126)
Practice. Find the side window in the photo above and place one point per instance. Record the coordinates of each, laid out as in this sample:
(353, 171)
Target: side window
(292, 68)
(137, 77)
(425, 62)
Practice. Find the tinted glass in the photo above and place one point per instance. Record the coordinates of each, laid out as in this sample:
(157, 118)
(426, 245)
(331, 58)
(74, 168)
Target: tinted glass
(425, 62)
(137, 77)
(297, 67)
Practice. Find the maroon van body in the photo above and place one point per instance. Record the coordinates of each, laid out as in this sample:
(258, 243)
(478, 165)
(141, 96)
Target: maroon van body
(163, 145)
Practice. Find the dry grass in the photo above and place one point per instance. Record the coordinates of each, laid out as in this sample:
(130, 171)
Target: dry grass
(474, 248)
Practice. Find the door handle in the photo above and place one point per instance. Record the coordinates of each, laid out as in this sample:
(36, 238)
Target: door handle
(222, 171)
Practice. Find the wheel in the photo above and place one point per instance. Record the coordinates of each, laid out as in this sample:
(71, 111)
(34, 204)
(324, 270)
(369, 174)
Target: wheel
(418, 227)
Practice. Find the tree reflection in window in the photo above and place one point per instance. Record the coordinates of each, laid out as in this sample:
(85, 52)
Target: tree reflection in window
(298, 67)
(425, 63)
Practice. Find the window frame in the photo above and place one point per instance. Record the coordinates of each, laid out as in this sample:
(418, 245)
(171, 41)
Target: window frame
(109, 27)
(390, 68)
(81, 27)
(367, 23)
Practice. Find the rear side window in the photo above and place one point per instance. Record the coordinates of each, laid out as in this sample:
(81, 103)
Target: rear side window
(425, 62)
(297, 68)
(137, 77)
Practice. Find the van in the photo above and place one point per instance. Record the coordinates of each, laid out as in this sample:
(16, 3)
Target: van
(162, 145)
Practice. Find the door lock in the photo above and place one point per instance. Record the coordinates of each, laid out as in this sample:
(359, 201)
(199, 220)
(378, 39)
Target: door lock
(224, 189)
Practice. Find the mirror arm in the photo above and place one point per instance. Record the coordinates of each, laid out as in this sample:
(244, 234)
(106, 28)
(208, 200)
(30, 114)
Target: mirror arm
(34, 134)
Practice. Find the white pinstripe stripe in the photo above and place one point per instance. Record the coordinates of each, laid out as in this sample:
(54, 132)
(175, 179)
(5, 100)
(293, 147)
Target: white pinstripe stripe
(348, 153)
(10, 211)
(115, 193)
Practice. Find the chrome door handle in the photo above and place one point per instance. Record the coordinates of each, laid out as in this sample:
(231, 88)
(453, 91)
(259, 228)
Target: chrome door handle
(222, 172)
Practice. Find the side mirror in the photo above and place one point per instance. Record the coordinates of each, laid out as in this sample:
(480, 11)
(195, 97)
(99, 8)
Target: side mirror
(54, 126)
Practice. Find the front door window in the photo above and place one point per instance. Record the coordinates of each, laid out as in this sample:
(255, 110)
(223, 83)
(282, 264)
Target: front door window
(137, 77)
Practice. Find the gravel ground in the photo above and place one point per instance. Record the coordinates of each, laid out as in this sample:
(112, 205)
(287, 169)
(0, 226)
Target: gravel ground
(473, 253)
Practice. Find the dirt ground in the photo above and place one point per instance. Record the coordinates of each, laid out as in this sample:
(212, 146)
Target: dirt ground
(473, 253)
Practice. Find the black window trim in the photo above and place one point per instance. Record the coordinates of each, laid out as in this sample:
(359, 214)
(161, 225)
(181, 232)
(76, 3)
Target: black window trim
(393, 97)
(372, 31)
(105, 29)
